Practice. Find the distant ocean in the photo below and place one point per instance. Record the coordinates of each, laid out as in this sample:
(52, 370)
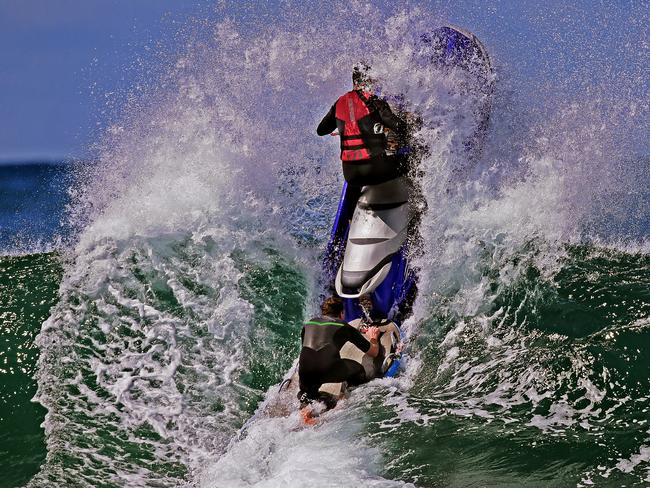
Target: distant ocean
(33, 197)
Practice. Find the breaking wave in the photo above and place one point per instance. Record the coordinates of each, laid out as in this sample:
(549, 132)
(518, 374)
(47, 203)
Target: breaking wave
(196, 256)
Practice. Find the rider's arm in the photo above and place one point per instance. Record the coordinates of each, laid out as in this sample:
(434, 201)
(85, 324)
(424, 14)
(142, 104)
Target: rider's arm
(328, 124)
(388, 118)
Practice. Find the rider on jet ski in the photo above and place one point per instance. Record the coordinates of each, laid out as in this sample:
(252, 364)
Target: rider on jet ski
(370, 133)
(320, 360)
(379, 203)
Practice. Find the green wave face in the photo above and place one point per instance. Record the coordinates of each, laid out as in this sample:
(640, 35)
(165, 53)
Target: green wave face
(546, 386)
(28, 288)
(545, 383)
(157, 353)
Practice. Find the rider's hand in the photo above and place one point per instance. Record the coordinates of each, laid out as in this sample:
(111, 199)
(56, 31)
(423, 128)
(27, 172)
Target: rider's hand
(373, 333)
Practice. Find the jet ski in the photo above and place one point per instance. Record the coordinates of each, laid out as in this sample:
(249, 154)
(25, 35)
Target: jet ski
(370, 246)
(367, 254)
(368, 249)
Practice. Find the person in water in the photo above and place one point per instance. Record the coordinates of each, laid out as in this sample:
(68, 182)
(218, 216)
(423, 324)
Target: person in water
(320, 360)
(370, 133)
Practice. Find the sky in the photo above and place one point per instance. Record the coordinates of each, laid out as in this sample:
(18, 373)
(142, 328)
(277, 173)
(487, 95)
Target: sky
(59, 58)
(61, 61)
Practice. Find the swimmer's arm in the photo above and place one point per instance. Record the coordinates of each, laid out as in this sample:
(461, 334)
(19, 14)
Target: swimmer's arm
(356, 338)
(373, 332)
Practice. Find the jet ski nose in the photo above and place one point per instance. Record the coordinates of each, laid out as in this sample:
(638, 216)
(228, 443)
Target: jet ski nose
(377, 231)
(353, 284)
(352, 281)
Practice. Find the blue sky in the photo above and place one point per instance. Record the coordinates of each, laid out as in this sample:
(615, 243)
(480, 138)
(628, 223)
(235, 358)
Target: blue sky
(59, 58)
(62, 60)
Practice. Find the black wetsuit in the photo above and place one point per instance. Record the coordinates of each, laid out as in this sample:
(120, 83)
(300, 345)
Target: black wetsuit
(320, 360)
(380, 167)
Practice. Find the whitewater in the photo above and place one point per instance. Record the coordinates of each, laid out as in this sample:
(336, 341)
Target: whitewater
(195, 252)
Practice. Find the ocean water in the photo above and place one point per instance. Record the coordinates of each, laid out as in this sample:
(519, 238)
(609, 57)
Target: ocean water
(150, 332)
(33, 196)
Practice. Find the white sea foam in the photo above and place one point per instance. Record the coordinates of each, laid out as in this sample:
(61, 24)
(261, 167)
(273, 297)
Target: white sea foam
(280, 452)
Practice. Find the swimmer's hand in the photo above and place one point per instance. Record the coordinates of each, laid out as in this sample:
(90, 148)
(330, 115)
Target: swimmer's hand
(373, 333)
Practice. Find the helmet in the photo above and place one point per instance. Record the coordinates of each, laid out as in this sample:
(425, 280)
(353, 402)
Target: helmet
(360, 75)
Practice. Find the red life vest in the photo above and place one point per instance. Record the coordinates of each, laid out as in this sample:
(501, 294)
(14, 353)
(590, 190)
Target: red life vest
(361, 130)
